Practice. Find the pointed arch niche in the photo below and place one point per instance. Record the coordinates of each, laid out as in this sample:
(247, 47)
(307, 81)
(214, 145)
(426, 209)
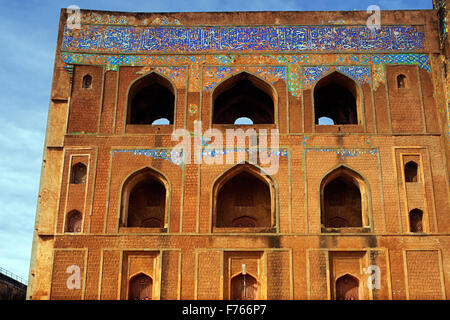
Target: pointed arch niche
(244, 200)
(78, 173)
(145, 202)
(87, 82)
(345, 203)
(339, 98)
(74, 222)
(243, 287)
(244, 96)
(416, 220)
(140, 287)
(347, 288)
(411, 172)
(150, 104)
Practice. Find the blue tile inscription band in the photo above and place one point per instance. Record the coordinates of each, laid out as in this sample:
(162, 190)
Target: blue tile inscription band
(130, 39)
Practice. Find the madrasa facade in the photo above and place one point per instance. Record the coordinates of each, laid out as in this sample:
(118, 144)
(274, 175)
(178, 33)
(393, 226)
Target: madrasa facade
(246, 155)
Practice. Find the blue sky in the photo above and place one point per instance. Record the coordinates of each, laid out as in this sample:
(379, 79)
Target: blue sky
(28, 33)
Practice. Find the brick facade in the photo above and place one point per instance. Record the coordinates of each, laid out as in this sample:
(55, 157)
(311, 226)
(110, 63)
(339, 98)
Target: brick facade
(293, 255)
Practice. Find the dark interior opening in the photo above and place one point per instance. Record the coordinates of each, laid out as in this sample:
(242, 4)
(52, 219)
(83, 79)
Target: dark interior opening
(73, 223)
(415, 220)
(401, 81)
(78, 175)
(411, 172)
(146, 206)
(151, 98)
(242, 96)
(244, 201)
(87, 81)
(335, 98)
(342, 204)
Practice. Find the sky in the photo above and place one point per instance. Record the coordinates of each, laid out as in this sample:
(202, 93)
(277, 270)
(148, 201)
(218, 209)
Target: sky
(28, 33)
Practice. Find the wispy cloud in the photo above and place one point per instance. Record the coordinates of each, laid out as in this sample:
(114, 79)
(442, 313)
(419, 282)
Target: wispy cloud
(19, 182)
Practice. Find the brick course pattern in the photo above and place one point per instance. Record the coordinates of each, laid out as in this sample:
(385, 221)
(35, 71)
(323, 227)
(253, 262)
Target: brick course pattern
(293, 256)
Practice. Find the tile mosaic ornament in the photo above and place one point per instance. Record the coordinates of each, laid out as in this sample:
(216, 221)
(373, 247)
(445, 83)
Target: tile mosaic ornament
(176, 74)
(211, 152)
(214, 75)
(225, 59)
(177, 157)
(344, 152)
(205, 141)
(293, 65)
(366, 141)
(97, 18)
(359, 73)
(303, 155)
(130, 39)
(69, 68)
(311, 75)
(304, 139)
(195, 63)
(193, 109)
(378, 75)
(165, 21)
(336, 22)
(378, 61)
(158, 154)
(341, 152)
(294, 85)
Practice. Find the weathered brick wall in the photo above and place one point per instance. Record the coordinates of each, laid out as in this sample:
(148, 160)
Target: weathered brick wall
(296, 260)
(424, 275)
(85, 103)
(63, 259)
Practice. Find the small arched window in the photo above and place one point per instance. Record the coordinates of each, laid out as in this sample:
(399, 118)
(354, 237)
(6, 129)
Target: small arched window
(78, 175)
(140, 288)
(415, 220)
(401, 81)
(347, 288)
(411, 169)
(73, 221)
(87, 81)
(244, 287)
